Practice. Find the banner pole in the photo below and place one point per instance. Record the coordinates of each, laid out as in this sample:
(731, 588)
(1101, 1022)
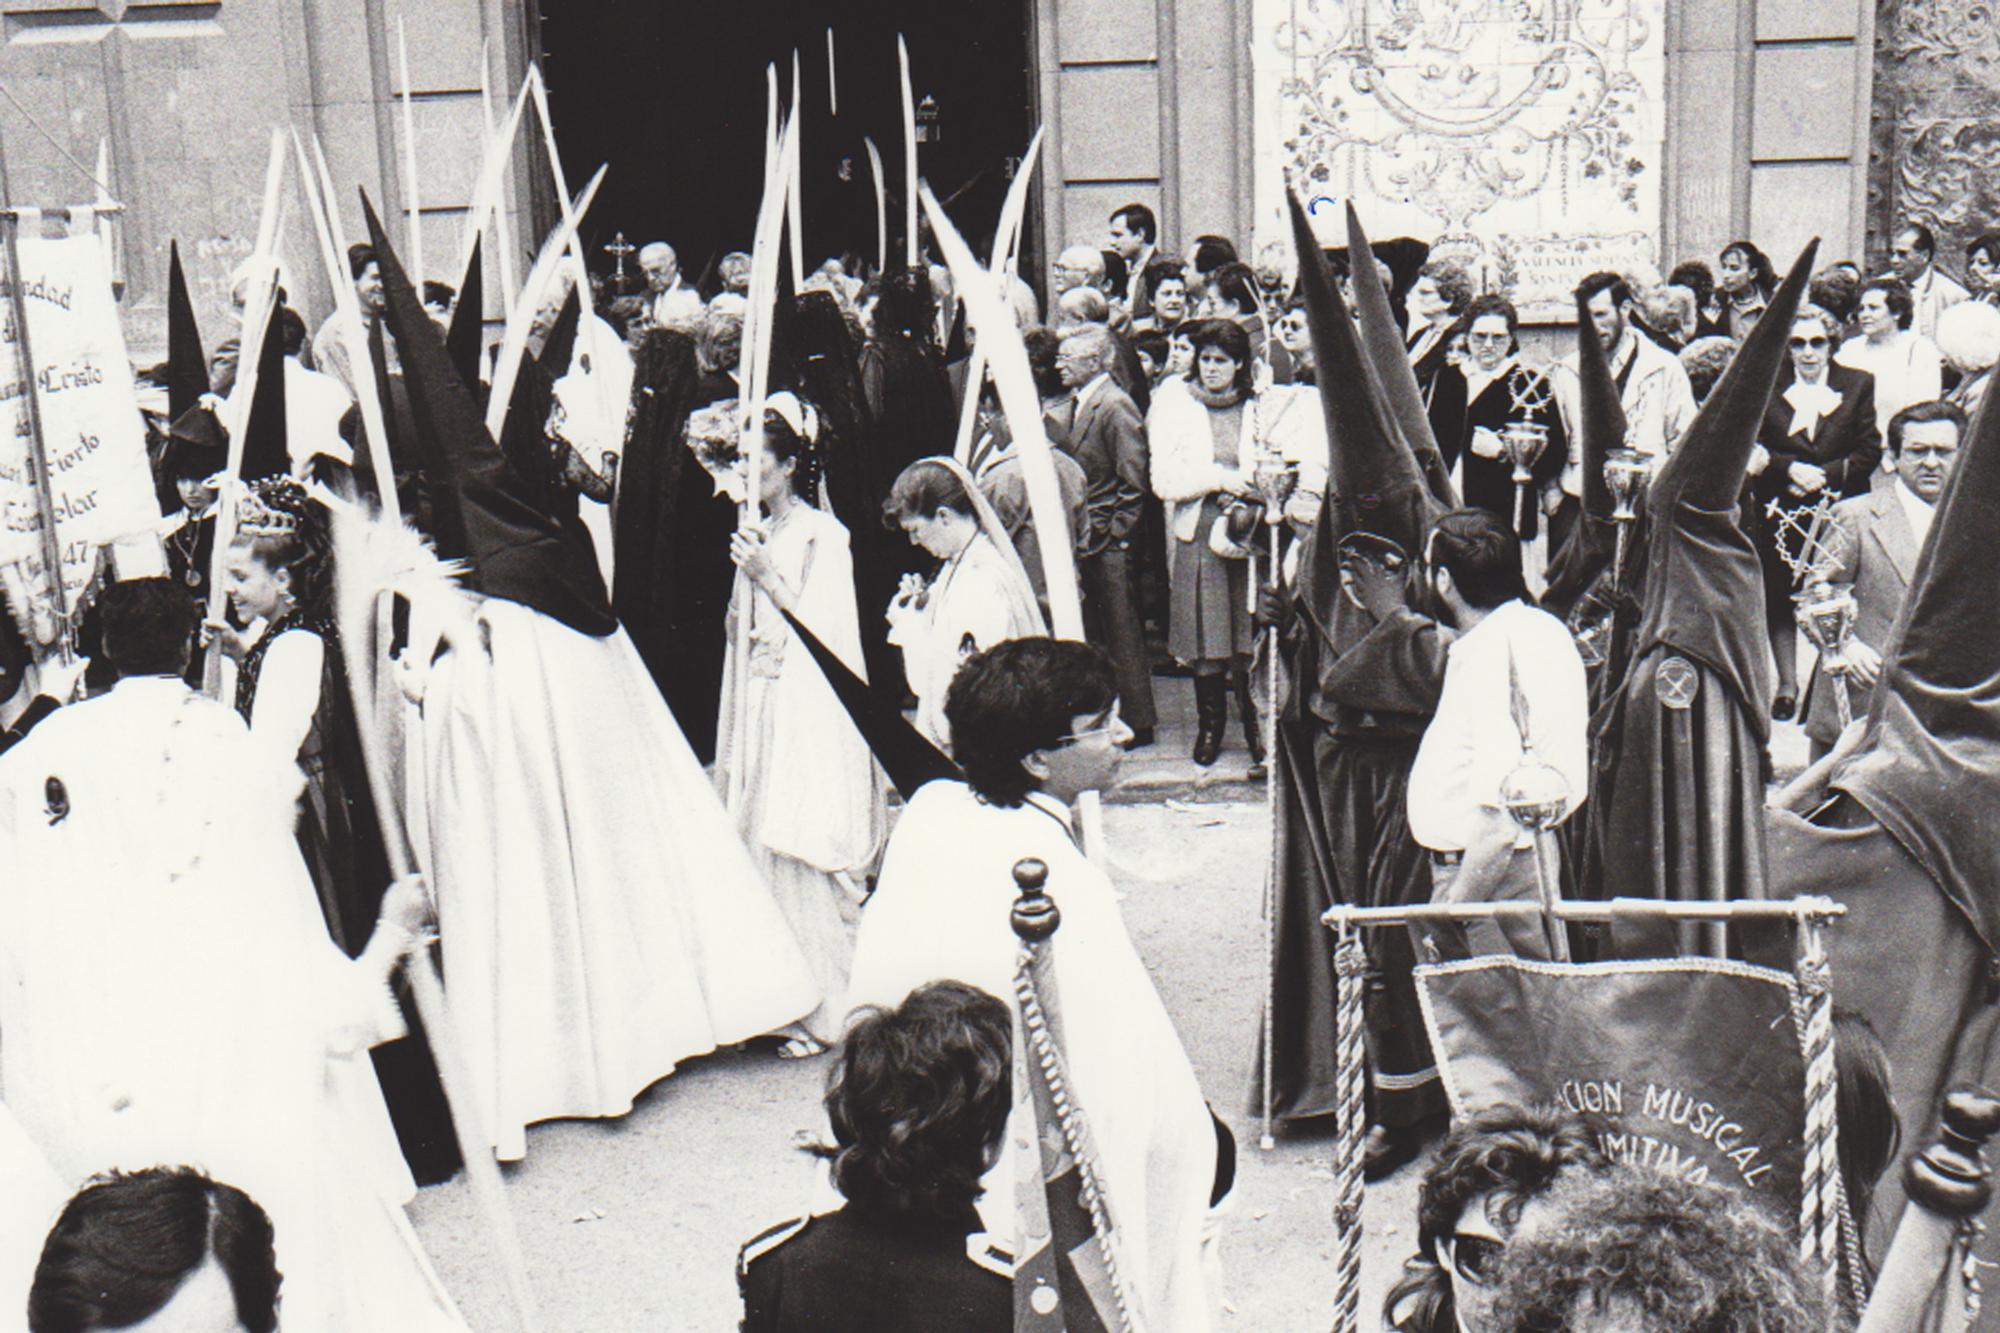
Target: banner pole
(45, 501)
(1350, 965)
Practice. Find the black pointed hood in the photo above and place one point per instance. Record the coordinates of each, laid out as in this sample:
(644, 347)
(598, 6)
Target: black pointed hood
(468, 321)
(265, 450)
(478, 506)
(1391, 362)
(559, 348)
(187, 364)
(1374, 485)
(1600, 429)
(1704, 582)
(1929, 766)
(906, 754)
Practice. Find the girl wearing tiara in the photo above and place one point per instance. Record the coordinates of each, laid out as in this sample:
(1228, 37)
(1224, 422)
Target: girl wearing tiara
(292, 690)
(813, 820)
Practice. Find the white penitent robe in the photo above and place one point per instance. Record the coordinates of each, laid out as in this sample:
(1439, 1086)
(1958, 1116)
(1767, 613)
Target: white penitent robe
(169, 994)
(972, 604)
(942, 910)
(812, 808)
(600, 918)
(31, 1197)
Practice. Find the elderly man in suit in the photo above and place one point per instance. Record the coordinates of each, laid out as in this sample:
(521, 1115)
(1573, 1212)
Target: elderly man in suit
(1873, 552)
(1107, 436)
(1819, 437)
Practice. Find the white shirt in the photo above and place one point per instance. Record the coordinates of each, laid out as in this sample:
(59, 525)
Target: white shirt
(1932, 295)
(1907, 369)
(1472, 745)
(1917, 510)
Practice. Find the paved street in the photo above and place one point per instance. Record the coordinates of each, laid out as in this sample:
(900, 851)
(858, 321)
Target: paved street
(634, 1224)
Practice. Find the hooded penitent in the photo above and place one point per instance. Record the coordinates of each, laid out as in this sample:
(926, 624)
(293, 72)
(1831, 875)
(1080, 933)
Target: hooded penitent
(187, 364)
(1679, 765)
(468, 323)
(1383, 340)
(1361, 693)
(672, 572)
(481, 512)
(1587, 555)
(195, 439)
(265, 451)
(1902, 832)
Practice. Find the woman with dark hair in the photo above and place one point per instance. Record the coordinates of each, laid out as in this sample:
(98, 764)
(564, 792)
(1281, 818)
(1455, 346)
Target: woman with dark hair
(1474, 402)
(918, 1100)
(814, 818)
(1489, 1168)
(1205, 441)
(979, 596)
(1745, 286)
(1818, 439)
(1230, 293)
(292, 689)
(1906, 365)
(1982, 267)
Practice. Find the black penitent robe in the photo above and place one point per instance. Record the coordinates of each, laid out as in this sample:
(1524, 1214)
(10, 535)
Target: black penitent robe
(341, 843)
(910, 417)
(672, 572)
(1489, 482)
(1678, 760)
(1346, 741)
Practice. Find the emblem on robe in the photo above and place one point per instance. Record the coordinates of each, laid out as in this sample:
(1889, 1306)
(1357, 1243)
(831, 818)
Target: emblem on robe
(1677, 683)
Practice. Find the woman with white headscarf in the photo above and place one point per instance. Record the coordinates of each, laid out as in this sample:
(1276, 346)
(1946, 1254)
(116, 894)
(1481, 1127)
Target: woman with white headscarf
(811, 813)
(979, 596)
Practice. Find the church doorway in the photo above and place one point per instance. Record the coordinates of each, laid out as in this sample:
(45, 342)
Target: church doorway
(672, 96)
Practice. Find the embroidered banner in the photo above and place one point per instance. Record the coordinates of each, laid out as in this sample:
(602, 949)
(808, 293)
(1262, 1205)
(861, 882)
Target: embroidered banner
(1694, 1064)
(1523, 139)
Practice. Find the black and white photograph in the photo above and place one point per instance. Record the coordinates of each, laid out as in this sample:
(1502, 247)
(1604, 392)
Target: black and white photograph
(1081, 666)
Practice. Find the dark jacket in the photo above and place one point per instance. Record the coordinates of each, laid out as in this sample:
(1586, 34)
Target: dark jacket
(1846, 442)
(855, 1272)
(1108, 437)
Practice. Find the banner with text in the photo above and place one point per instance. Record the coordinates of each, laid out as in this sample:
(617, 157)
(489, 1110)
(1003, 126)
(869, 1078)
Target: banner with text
(93, 437)
(1693, 1064)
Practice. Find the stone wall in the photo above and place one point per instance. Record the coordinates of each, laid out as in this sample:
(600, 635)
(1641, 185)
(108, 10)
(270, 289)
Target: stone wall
(185, 93)
(1935, 148)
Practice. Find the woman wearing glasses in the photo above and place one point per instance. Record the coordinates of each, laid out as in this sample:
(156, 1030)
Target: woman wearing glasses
(1473, 403)
(1486, 1172)
(1819, 439)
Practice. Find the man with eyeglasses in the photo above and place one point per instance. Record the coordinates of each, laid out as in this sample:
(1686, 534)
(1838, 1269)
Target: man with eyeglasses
(1034, 724)
(1818, 438)
(1077, 266)
(1872, 551)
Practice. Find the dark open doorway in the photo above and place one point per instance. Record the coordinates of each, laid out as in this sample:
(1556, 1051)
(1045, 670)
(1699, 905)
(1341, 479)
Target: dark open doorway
(672, 95)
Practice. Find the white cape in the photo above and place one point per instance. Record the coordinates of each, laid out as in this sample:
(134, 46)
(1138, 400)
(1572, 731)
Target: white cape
(942, 910)
(600, 918)
(169, 994)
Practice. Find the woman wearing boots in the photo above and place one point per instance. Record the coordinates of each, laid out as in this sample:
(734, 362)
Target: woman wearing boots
(1203, 435)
